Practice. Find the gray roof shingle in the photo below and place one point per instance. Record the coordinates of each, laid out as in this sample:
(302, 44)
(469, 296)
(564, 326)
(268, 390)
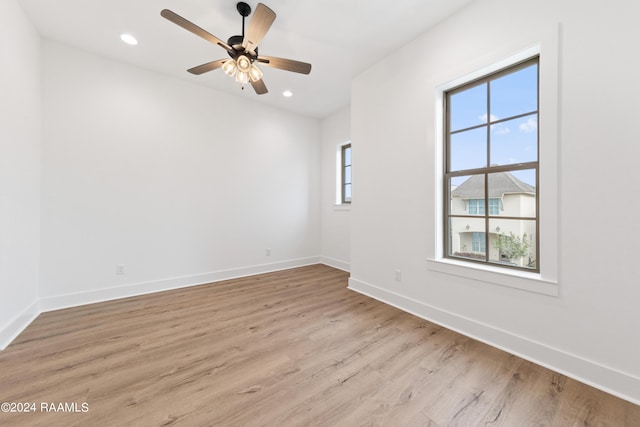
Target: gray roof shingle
(500, 183)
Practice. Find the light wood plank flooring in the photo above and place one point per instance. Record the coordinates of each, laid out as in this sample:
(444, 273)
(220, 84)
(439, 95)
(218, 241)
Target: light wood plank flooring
(291, 348)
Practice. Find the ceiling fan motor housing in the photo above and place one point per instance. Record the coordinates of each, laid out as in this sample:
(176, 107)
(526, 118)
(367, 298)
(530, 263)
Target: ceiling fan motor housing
(236, 43)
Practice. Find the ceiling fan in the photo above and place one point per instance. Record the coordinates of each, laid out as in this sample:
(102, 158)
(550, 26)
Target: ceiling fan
(243, 49)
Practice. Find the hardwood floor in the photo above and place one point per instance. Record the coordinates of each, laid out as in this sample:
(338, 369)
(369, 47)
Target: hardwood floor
(291, 348)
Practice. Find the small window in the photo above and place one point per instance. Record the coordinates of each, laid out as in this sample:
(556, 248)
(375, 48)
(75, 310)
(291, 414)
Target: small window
(478, 243)
(345, 173)
(491, 159)
(494, 207)
(476, 207)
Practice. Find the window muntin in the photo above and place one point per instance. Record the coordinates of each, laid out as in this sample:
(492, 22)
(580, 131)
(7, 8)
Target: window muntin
(346, 174)
(491, 159)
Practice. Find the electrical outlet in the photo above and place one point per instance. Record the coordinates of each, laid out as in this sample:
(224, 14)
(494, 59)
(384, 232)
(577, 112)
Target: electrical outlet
(267, 252)
(398, 275)
(120, 269)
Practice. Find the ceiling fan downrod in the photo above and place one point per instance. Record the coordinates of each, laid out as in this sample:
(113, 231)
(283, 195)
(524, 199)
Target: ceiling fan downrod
(245, 10)
(236, 41)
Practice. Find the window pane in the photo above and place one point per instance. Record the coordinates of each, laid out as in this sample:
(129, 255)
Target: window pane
(476, 207)
(472, 207)
(468, 150)
(347, 193)
(494, 207)
(468, 108)
(513, 242)
(515, 93)
(513, 189)
(528, 176)
(463, 189)
(515, 141)
(347, 155)
(478, 243)
(462, 232)
(347, 175)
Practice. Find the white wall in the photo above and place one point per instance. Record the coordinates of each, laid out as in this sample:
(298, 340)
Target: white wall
(590, 330)
(336, 236)
(20, 133)
(180, 184)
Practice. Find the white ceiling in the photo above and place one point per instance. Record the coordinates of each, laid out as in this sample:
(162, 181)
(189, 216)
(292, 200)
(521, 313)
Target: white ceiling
(340, 38)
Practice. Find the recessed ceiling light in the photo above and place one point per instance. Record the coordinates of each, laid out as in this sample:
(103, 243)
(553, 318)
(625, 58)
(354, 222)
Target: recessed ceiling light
(128, 39)
(287, 93)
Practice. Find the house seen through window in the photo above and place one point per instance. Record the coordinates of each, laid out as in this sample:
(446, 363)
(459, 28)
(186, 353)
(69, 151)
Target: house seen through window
(491, 169)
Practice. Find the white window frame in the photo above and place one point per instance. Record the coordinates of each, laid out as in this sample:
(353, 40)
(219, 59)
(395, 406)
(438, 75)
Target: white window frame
(546, 281)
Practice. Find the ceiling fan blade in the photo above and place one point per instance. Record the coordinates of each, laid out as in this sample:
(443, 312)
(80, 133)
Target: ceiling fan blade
(285, 64)
(191, 27)
(259, 87)
(260, 23)
(209, 66)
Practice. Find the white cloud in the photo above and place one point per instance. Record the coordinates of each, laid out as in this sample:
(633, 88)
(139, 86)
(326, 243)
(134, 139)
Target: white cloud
(483, 118)
(499, 129)
(531, 125)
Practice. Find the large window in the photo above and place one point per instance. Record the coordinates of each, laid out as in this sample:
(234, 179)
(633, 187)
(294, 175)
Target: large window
(491, 160)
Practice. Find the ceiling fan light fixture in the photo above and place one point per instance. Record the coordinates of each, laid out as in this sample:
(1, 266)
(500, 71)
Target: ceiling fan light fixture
(242, 77)
(255, 73)
(230, 67)
(244, 64)
(243, 50)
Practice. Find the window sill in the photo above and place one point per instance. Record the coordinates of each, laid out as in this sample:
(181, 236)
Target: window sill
(531, 282)
(342, 207)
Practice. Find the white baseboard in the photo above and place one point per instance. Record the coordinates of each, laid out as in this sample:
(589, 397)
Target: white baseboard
(335, 263)
(9, 332)
(133, 289)
(605, 378)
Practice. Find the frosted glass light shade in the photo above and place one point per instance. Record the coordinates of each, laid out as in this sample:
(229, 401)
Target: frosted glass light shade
(244, 64)
(242, 77)
(255, 73)
(229, 67)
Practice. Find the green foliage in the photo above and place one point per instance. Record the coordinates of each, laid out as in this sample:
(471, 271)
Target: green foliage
(512, 246)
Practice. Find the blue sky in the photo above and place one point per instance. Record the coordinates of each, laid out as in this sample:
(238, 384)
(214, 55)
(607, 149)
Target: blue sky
(512, 141)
